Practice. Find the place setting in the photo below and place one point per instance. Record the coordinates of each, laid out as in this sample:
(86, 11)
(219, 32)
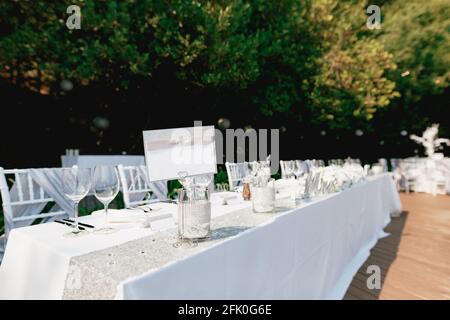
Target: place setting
(103, 183)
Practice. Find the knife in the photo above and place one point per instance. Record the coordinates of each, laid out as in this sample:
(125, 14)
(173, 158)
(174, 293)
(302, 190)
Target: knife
(81, 224)
(69, 224)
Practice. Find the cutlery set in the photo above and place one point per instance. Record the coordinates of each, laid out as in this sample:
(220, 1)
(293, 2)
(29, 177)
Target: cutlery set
(83, 226)
(71, 223)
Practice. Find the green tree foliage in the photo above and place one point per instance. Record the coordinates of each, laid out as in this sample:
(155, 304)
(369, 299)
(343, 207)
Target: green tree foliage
(352, 83)
(292, 56)
(223, 44)
(418, 35)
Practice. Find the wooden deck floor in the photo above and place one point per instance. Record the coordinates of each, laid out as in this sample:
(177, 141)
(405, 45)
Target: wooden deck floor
(415, 259)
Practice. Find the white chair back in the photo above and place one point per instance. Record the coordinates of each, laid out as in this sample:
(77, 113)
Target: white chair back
(384, 164)
(236, 172)
(135, 186)
(24, 192)
(70, 158)
(395, 162)
(286, 168)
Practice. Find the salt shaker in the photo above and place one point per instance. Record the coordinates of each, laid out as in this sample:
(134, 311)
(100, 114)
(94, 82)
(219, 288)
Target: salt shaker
(246, 194)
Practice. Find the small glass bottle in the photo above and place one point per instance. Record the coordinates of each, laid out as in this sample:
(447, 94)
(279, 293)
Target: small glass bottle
(246, 194)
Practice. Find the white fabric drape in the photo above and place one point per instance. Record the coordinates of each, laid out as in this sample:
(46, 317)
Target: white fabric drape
(51, 181)
(90, 161)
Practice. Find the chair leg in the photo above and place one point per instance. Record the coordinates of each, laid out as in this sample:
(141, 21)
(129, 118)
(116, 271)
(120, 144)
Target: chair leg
(2, 246)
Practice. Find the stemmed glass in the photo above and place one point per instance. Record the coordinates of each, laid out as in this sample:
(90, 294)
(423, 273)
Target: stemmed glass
(76, 183)
(105, 183)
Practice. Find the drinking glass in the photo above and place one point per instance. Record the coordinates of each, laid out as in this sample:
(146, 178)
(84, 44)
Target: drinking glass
(76, 183)
(105, 183)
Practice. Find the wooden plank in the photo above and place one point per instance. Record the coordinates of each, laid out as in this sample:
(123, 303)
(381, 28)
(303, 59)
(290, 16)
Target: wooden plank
(415, 258)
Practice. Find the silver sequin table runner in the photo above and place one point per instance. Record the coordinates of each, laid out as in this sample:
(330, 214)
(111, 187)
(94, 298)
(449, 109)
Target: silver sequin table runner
(96, 275)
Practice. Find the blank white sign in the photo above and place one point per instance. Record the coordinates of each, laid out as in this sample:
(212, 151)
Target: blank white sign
(173, 153)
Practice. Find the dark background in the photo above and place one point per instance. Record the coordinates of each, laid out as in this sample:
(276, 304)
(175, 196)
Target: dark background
(36, 129)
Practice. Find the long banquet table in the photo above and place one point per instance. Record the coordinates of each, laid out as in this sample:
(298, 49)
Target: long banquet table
(308, 250)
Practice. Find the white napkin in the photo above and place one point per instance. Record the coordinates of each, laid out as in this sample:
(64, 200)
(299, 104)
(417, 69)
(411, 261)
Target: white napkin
(162, 216)
(226, 198)
(123, 216)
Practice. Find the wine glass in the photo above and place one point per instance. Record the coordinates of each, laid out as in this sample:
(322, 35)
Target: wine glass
(105, 183)
(76, 183)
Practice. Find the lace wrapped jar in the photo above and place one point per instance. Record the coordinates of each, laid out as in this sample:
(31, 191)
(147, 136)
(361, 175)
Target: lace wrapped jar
(194, 213)
(263, 197)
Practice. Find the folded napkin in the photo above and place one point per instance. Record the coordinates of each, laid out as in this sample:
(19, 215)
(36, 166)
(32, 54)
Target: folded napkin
(123, 216)
(226, 198)
(162, 216)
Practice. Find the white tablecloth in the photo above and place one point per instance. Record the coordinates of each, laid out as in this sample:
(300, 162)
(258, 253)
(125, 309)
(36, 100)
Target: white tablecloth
(311, 252)
(87, 161)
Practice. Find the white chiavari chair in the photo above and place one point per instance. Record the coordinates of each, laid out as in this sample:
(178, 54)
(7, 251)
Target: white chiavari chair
(25, 196)
(287, 168)
(135, 189)
(410, 172)
(439, 183)
(236, 172)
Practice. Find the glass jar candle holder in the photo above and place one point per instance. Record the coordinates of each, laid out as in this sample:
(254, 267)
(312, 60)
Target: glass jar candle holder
(263, 198)
(194, 213)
